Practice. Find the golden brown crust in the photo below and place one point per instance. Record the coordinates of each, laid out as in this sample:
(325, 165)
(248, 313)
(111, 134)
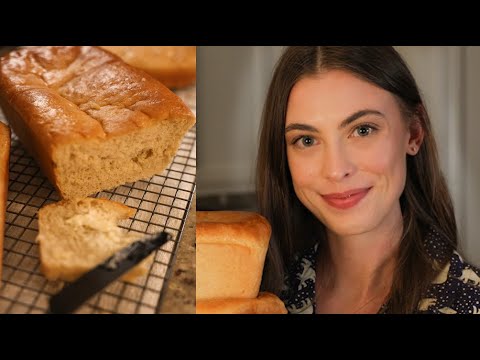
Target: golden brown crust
(238, 227)
(174, 66)
(4, 161)
(231, 249)
(75, 92)
(119, 211)
(265, 303)
(59, 96)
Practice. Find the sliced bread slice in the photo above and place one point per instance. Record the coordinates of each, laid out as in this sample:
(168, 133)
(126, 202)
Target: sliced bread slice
(78, 234)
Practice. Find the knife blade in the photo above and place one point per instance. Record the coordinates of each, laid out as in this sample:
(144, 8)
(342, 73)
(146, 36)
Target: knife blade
(76, 293)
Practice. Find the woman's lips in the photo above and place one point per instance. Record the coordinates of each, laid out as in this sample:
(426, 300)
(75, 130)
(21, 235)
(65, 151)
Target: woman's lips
(346, 199)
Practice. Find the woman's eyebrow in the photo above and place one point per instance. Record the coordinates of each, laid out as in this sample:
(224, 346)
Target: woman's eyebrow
(358, 115)
(343, 124)
(302, 127)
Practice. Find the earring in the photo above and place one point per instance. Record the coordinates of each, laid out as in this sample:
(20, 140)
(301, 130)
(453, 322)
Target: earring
(414, 148)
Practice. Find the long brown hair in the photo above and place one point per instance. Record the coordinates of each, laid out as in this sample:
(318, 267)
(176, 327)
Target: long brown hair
(425, 201)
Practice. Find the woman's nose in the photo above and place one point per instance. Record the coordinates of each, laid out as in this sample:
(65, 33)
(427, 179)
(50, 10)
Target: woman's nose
(337, 163)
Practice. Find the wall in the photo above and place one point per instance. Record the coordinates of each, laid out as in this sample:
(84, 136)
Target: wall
(231, 87)
(471, 173)
(449, 77)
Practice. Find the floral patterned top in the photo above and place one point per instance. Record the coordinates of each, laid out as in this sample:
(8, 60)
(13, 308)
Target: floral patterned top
(455, 290)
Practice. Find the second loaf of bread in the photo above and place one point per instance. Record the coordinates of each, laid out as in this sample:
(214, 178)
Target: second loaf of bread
(174, 66)
(92, 121)
(231, 249)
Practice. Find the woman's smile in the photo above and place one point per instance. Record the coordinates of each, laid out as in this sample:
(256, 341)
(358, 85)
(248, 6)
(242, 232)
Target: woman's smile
(346, 199)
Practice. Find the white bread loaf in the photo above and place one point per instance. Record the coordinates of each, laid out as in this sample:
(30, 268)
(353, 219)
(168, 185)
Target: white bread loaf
(91, 121)
(231, 249)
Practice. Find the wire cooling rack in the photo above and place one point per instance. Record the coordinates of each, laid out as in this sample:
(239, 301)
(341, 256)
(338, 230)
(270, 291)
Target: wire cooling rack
(161, 203)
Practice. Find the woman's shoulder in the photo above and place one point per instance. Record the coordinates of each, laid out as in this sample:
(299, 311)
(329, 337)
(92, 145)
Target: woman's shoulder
(455, 290)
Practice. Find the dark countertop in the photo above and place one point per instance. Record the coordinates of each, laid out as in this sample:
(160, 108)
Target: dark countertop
(179, 295)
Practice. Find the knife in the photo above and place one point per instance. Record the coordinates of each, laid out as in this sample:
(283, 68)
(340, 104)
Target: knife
(76, 293)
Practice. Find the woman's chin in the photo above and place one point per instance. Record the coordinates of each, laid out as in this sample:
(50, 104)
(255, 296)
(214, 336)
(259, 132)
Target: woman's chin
(350, 227)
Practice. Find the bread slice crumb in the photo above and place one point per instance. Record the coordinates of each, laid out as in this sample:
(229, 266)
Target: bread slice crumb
(78, 234)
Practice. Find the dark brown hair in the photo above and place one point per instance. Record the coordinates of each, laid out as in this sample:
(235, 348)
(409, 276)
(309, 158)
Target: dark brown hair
(425, 201)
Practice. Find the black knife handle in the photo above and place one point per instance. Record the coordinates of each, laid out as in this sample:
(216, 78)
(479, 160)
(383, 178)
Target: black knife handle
(76, 293)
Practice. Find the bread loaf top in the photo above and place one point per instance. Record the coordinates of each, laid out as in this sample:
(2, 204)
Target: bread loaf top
(71, 93)
(233, 227)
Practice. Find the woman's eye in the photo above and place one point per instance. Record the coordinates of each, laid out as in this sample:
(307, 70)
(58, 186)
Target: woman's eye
(363, 130)
(303, 141)
(307, 141)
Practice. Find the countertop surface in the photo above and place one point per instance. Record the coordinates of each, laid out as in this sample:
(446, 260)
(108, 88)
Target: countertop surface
(179, 295)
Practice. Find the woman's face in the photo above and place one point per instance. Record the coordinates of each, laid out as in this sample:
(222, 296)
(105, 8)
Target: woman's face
(346, 145)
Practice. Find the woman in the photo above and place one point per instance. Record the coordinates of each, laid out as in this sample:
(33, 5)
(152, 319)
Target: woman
(348, 176)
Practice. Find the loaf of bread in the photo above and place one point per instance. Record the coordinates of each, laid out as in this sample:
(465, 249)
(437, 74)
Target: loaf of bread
(231, 249)
(265, 303)
(76, 235)
(4, 161)
(92, 121)
(174, 66)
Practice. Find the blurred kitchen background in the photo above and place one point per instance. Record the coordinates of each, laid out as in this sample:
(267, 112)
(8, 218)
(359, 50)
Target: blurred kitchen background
(231, 87)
